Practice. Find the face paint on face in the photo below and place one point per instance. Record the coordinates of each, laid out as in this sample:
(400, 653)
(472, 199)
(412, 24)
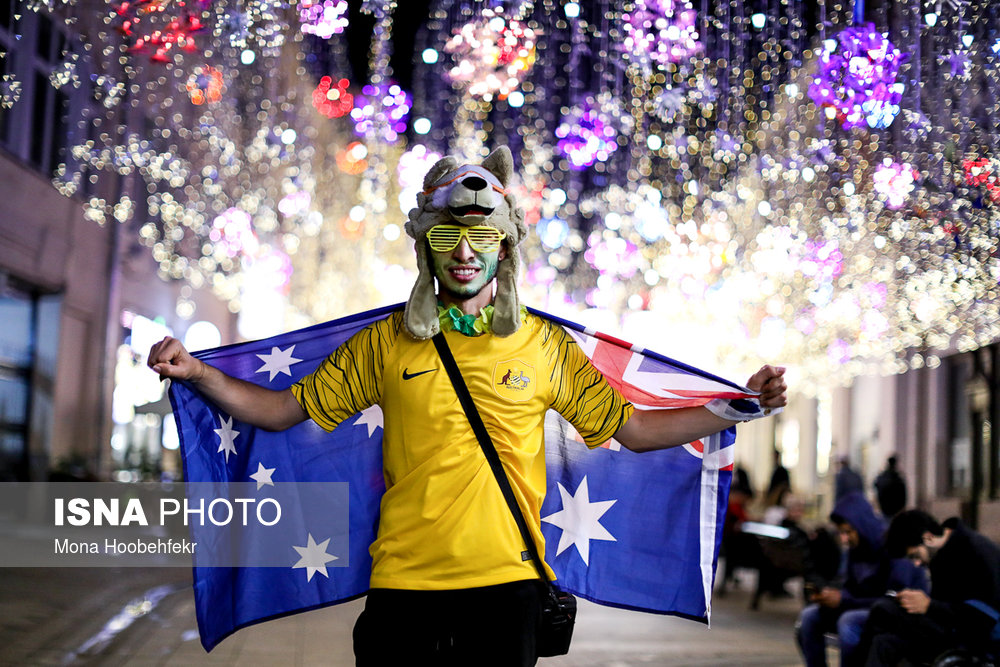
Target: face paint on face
(463, 272)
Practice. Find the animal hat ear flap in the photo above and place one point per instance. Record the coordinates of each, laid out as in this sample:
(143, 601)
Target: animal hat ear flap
(421, 315)
(506, 304)
(506, 307)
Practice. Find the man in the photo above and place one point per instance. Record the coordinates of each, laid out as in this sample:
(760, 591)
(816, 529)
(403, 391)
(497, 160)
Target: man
(890, 489)
(847, 480)
(449, 584)
(960, 611)
(780, 483)
(869, 574)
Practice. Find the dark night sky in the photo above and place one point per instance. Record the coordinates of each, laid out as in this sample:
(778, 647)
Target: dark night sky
(408, 17)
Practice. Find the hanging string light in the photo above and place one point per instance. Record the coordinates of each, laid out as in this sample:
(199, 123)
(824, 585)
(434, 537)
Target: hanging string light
(697, 177)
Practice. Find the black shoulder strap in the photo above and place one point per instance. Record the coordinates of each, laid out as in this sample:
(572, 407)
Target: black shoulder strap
(479, 428)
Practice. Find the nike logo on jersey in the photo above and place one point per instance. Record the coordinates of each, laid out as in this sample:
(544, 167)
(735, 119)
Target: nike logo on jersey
(409, 376)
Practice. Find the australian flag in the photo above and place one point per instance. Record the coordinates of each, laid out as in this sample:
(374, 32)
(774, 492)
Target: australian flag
(638, 531)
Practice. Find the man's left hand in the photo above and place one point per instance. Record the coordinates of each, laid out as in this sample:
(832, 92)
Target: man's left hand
(829, 597)
(913, 601)
(770, 382)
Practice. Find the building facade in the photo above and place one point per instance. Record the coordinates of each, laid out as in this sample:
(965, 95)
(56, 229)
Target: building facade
(73, 291)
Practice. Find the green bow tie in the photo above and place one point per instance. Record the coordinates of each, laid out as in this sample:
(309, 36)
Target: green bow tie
(453, 319)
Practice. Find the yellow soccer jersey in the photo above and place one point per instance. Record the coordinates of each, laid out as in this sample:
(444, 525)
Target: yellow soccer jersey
(444, 523)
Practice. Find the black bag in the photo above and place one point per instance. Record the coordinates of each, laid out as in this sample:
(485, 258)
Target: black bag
(558, 612)
(555, 625)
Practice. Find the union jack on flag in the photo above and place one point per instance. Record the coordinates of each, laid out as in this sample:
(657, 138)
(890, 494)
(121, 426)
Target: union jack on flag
(638, 531)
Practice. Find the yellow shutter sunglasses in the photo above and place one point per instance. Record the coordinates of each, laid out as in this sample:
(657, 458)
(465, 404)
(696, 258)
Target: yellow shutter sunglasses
(482, 238)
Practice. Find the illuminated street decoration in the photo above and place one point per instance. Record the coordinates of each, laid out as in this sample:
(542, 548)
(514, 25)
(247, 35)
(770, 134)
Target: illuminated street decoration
(233, 234)
(493, 54)
(661, 31)
(161, 27)
(382, 109)
(410, 171)
(205, 85)
(586, 136)
(10, 91)
(894, 181)
(331, 98)
(323, 18)
(856, 78)
(724, 170)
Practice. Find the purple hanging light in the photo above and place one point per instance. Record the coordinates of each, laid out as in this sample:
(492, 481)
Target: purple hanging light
(663, 31)
(395, 109)
(585, 136)
(856, 79)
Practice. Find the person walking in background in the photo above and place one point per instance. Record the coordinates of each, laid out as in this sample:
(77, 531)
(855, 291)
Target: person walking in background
(961, 610)
(847, 480)
(890, 489)
(843, 607)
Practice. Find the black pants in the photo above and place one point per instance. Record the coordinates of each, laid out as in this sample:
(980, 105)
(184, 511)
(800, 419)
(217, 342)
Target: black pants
(892, 635)
(493, 625)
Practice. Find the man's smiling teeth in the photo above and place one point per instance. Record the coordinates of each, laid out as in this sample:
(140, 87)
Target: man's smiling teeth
(464, 273)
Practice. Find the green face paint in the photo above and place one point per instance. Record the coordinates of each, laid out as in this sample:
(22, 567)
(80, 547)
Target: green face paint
(462, 272)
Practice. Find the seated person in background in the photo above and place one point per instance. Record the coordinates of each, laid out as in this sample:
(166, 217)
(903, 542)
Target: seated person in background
(869, 573)
(964, 567)
(738, 549)
(787, 556)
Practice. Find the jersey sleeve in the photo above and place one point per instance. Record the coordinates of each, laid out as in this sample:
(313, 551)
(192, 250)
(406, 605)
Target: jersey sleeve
(581, 393)
(350, 379)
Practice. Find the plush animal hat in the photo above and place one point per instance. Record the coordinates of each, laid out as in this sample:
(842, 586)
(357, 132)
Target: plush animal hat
(467, 195)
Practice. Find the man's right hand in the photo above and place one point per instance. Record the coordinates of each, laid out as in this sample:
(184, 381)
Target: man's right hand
(246, 401)
(171, 360)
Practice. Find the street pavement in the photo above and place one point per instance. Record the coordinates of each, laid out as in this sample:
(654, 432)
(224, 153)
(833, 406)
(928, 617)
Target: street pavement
(133, 616)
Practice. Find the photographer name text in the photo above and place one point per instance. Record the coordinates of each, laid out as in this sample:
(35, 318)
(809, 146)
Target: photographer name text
(120, 547)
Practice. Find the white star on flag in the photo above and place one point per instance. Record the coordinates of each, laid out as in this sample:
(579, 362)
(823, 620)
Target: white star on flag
(279, 361)
(580, 520)
(227, 436)
(262, 476)
(314, 557)
(372, 418)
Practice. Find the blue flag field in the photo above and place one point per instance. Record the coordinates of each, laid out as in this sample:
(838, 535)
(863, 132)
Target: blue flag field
(638, 531)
